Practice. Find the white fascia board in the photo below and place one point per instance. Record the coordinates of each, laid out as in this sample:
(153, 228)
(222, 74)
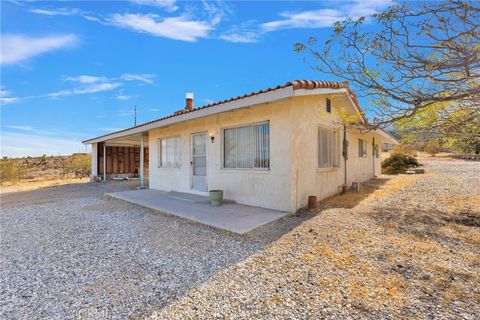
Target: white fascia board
(355, 107)
(387, 136)
(265, 97)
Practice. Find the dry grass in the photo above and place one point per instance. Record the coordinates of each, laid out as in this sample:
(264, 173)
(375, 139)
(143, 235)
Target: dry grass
(377, 188)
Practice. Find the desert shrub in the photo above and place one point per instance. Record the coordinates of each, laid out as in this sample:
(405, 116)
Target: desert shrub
(432, 147)
(398, 163)
(8, 171)
(11, 170)
(405, 149)
(78, 165)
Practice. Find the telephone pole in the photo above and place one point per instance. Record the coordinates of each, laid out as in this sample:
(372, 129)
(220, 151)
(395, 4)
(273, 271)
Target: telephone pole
(135, 116)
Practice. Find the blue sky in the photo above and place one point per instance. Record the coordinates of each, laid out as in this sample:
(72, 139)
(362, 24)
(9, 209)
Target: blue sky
(74, 70)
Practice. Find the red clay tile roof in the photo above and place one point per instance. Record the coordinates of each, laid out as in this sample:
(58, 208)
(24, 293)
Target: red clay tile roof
(296, 84)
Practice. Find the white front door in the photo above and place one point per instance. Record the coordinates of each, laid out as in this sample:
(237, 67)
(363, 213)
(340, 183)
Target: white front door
(199, 162)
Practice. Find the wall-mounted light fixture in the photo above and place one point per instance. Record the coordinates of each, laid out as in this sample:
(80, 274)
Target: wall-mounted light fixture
(212, 137)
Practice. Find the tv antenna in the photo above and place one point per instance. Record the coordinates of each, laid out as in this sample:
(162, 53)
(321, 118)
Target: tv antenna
(135, 116)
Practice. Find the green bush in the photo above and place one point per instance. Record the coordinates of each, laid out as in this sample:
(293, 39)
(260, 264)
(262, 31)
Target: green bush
(398, 163)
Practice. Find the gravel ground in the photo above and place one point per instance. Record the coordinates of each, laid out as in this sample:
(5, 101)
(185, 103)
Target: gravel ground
(409, 250)
(67, 252)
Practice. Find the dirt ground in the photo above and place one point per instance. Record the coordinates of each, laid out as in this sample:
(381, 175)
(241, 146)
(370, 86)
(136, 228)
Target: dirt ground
(39, 184)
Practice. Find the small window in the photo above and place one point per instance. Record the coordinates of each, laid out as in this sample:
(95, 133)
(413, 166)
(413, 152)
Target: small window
(362, 148)
(247, 147)
(169, 152)
(327, 147)
(329, 105)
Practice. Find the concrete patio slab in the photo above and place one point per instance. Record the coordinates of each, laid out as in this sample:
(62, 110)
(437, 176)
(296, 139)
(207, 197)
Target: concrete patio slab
(233, 217)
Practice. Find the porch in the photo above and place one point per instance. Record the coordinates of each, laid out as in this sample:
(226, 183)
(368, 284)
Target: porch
(125, 157)
(230, 216)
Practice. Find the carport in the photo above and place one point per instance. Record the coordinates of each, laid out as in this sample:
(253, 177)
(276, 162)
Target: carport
(125, 156)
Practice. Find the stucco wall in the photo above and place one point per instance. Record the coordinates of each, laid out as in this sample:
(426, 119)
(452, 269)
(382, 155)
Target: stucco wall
(307, 178)
(270, 189)
(293, 174)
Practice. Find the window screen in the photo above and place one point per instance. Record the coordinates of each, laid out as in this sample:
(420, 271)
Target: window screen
(327, 148)
(247, 147)
(362, 148)
(169, 149)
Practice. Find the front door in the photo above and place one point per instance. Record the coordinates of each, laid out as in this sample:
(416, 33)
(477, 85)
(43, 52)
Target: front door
(199, 162)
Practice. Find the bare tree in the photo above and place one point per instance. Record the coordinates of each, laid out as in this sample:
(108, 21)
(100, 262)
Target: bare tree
(418, 56)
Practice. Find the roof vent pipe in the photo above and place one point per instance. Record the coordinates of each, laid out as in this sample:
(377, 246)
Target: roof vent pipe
(189, 101)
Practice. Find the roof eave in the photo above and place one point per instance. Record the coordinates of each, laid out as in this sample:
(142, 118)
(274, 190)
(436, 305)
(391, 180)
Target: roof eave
(270, 96)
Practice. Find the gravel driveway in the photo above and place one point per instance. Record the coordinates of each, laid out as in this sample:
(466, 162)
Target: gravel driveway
(67, 252)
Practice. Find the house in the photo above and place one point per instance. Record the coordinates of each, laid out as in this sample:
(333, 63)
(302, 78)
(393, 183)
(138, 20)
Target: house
(271, 148)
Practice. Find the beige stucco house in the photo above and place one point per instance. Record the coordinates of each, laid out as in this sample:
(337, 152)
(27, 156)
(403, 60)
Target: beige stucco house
(271, 148)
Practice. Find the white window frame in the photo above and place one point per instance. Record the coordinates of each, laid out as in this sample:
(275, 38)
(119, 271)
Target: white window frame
(175, 165)
(364, 148)
(335, 151)
(253, 168)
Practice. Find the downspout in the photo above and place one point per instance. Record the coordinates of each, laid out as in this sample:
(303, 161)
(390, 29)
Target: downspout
(345, 157)
(142, 185)
(373, 156)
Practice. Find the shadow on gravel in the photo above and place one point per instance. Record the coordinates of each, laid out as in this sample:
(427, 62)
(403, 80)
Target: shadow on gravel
(437, 217)
(351, 199)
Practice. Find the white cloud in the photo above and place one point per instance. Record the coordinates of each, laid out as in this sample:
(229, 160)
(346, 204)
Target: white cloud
(123, 97)
(86, 79)
(56, 12)
(241, 37)
(91, 88)
(24, 144)
(100, 116)
(6, 98)
(322, 18)
(97, 87)
(85, 84)
(307, 19)
(169, 5)
(17, 48)
(154, 109)
(178, 28)
(24, 128)
(57, 94)
(147, 78)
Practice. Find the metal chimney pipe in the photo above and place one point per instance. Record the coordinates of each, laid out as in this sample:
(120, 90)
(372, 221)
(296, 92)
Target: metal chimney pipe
(189, 101)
